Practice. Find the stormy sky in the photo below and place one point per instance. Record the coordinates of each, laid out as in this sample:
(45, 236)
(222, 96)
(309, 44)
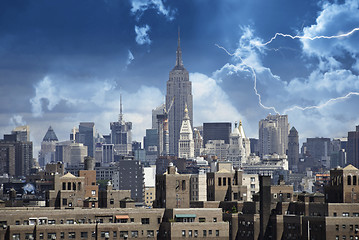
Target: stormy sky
(63, 62)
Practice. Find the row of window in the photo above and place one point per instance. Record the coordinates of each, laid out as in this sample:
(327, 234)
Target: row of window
(351, 227)
(194, 233)
(44, 221)
(347, 214)
(85, 235)
(345, 237)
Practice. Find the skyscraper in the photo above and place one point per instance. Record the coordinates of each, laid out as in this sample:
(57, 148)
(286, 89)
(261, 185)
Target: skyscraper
(48, 147)
(18, 141)
(293, 149)
(121, 134)
(179, 90)
(216, 131)
(353, 147)
(273, 134)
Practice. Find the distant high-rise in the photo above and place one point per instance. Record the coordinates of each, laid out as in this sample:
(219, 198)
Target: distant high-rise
(239, 146)
(157, 111)
(16, 155)
(179, 90)
(48, 147)
(216, 131)
(293, 149)
(121, 135)
(22, 133)
(273, 135)
(86, 135)
(353, 147)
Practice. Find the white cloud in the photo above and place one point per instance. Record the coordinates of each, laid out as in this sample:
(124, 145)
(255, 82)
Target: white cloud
(44, 90)
(17, 120)
(142, 35)
(140, 6)
(211, 103)
(334, 19)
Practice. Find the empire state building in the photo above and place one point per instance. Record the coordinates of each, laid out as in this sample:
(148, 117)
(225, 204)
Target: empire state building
(179, 94)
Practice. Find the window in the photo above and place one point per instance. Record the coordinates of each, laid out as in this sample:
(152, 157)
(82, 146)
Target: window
(288, 195)
(70, 221)
(64, 201)
(41, 235)
(29, 236)
(134, 234)
(204, 233)
(195, 233)
(17, 223)
(93, 192)
(214, 219)
(349, 178)
(114, 234)
(253, 179)
(159, 220)
(202, 219)
(351, 227)
(355, 214)
(132, 219)
(16, 236)
(354, 180)
(93, 234)
(219, 181)
(62, 235)
(51, 236)
(150, 233)
(345, 214)
(337, 227)
(72, 235)
(335, 214)
(344, 226)
(112, 201)
(84, 235)
(145, 220)
(52, 222)
(253, 186)
(69, 186)
(217, 233)
(123, 220)
(189, 233)
(63, 186)
(183, 185)
(123, 234)
(224, 181)
(183, 233)
(209, 232)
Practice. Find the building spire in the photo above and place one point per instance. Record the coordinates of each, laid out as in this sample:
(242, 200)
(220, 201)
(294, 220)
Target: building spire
(179, 51)
(120, 117)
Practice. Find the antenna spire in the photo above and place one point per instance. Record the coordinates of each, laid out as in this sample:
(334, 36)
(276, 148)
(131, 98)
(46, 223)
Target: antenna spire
(179, 51)
(120, 119)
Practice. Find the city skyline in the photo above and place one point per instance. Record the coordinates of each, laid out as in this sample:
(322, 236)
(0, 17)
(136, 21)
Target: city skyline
(62, 65)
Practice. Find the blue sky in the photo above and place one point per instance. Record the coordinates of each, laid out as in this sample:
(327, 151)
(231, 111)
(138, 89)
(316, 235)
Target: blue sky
(62, 62)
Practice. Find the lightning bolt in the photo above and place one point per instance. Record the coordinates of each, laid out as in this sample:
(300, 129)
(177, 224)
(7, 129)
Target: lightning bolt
(308, 38)
(254, 76)
(323, 104)
(293, 37)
